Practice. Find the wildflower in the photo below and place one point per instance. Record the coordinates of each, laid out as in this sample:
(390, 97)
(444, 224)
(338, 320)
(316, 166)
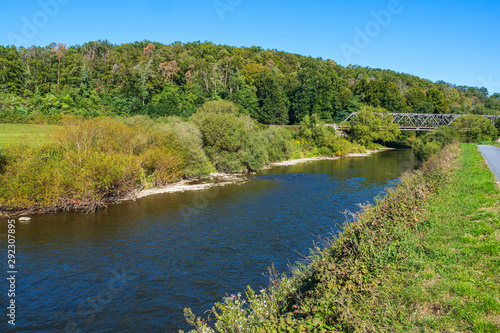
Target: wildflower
(233, 297)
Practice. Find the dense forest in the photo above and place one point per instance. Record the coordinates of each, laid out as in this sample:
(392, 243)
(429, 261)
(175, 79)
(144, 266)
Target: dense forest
(40, 84)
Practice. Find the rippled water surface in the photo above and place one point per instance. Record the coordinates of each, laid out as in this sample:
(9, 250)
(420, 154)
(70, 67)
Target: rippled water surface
(136, 265)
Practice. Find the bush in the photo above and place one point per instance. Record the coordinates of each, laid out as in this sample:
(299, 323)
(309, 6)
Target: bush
(431, 142)
(232, 141)
(88, 165)
(373, 124)
(279, 145)
(163, 164)
(191, 139)
(218, 107)
(338, 145)
(423, 151)
(254, 154)
(3, 162)
(140, 120)
(474, 128)
(324, 139)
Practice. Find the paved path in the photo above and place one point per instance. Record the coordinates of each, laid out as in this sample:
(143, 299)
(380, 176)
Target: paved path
(492, 156)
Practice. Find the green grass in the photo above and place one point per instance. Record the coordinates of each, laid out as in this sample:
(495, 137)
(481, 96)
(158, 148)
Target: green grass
(454, 285)
(25, 133)
(492, 143)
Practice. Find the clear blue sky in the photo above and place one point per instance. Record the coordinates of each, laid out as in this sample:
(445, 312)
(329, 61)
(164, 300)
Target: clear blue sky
(455, 41)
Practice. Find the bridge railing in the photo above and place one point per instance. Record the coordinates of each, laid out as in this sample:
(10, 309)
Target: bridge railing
(424, 121)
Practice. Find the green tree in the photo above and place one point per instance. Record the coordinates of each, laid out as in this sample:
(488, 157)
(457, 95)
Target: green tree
(415, 98)
(474, 128)
(166, 103)
(273, 109)
(232, 141)
(379, 93)
(373, 124)
(313, 129)
(11, 72)
(436, 98)
(247, 98)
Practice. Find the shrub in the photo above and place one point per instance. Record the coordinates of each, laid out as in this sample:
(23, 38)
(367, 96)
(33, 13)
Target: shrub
(254, 153)
(373, 124)
(140, 120)
(431, 142)
(338, 144)
(232, 141)
(474, 128)
(90, 164)
(3, 162)
(312, 129)
(163, 164)
(191, 139)
(218, 107)
(279, 145)
(425, 150)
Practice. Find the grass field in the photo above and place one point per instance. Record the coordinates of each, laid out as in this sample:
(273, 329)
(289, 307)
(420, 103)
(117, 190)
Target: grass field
(25, 133)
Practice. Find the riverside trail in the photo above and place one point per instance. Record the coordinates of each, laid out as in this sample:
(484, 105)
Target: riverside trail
(492, 156)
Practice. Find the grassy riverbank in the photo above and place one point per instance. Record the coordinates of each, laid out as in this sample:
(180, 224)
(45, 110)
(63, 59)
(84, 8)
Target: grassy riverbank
(424, 258)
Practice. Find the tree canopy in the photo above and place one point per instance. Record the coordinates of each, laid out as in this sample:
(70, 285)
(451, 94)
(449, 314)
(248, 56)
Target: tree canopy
(149, 78)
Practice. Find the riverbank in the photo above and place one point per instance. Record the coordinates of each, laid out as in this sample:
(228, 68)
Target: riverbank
(424, 258)
(189, 184)
(221, 179)
(320, 158)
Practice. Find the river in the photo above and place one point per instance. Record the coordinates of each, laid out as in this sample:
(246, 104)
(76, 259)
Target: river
(134, 266)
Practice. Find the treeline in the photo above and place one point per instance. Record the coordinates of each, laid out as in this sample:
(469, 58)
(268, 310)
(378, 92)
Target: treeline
(147, 78)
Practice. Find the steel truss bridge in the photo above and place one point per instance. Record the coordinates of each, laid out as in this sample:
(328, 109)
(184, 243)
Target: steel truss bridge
(424, 121)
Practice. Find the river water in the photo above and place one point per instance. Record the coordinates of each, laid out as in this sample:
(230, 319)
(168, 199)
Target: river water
(136, 265)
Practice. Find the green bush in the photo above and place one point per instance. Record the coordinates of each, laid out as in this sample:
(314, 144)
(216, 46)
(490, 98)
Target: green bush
(324, 139)
(218, 107)
(368, 126)
(279, 145)
(431, 142)
(423, 151)
(233, 142)
(89, 164)
(3, 162)
(254, 153)
(190, 138)
(475, 128)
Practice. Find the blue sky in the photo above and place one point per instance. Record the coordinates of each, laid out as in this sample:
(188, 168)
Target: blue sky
(455, 41)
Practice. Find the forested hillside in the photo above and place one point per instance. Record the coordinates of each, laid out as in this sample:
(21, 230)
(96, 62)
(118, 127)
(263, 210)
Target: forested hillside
(274, 87)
